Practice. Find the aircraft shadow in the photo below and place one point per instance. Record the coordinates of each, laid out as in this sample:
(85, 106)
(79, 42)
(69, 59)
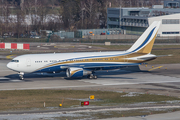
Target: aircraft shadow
(106, 77)
(100, 74)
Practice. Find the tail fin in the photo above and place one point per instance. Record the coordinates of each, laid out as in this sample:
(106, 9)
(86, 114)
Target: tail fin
(145, 42)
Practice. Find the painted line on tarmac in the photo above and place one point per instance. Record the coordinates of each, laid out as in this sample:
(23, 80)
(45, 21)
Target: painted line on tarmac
(16, 80)
(10, 56)
(123, 109)
(141, 83)
(4, 78)
(84, 110)
(55, 87)
(5, 70)
(155, 68)
(58, 87)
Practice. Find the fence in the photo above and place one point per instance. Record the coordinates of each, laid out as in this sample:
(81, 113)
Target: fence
(84, 33)
(63, 34)
(14, 46)
(113, 38)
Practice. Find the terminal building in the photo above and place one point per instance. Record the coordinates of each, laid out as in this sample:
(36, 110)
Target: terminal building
(136, 20)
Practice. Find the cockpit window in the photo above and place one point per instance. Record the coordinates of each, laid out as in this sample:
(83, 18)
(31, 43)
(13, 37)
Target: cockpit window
(15, 61)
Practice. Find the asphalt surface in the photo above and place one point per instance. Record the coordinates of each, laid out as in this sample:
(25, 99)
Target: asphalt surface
(166, 75)
(80, 111)
(167, 116)
(152, 78)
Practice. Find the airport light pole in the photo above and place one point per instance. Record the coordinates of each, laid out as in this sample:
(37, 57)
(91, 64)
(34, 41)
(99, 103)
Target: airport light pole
(120, 17)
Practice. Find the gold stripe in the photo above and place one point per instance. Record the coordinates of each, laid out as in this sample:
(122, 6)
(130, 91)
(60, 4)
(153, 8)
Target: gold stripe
(73, 72)
(123, 58)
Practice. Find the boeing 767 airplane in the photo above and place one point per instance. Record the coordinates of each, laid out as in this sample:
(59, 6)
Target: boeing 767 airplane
(86, 63)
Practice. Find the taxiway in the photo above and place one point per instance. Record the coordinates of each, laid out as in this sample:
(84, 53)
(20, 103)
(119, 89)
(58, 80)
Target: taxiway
(164, 80)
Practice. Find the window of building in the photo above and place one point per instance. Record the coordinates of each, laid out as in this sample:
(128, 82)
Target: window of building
(113, 26)
(170, 32)
(114, 19)
(116, 12)
(170, 21)
(144, 13)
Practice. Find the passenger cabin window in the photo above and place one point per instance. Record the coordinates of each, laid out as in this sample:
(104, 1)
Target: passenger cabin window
(38, 61)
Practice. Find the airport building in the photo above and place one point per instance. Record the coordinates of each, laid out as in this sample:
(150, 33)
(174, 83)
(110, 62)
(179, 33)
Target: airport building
(136, 20)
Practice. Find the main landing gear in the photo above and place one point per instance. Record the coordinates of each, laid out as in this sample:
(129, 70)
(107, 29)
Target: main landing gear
(92, 76)
(21, 75)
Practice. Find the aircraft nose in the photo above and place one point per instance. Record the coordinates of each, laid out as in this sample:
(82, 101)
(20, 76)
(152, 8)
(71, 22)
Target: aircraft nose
(9, 65)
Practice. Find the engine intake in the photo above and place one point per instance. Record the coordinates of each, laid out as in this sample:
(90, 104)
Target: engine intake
(77, 72)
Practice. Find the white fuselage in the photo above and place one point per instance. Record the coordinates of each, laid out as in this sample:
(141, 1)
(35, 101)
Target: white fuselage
(46, 62)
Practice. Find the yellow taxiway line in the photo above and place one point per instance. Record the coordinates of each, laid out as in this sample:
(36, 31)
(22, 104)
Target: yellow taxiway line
(155, 68)
(10, 56)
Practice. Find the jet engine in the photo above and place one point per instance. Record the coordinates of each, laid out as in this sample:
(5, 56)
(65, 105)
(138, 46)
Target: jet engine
(77, 72)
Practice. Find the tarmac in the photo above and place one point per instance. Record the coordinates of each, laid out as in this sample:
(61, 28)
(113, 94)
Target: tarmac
(167, 116)
(158, 79)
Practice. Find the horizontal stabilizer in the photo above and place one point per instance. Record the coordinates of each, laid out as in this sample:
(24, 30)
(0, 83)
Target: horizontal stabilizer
(164, 55)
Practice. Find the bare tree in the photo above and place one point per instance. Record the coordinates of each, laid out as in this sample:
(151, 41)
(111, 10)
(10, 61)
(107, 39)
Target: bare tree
(53, 2)
(91, 7)
(153, 2)
(19, 24)
(5, 15)
(103, 10)
(22, 4)
(28, 5)
(67, 16)
(72, 14)
(82, 13)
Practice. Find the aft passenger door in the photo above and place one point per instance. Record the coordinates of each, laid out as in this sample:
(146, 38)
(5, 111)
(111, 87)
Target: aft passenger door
(28, 62)
(125, 58)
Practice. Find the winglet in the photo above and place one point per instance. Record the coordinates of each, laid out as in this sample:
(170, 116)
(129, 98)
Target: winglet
(146, 41)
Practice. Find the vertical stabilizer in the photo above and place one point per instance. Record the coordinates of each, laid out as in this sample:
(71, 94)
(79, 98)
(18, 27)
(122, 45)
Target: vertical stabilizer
(146, 41)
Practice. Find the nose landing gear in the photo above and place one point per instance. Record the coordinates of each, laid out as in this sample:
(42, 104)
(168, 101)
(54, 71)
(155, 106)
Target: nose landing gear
(21, 75)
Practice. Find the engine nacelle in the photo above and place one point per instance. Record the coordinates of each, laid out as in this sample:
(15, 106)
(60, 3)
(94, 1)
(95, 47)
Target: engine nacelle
(77, 72)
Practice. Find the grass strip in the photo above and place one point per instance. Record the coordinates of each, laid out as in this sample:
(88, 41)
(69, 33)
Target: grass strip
(34, 99)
